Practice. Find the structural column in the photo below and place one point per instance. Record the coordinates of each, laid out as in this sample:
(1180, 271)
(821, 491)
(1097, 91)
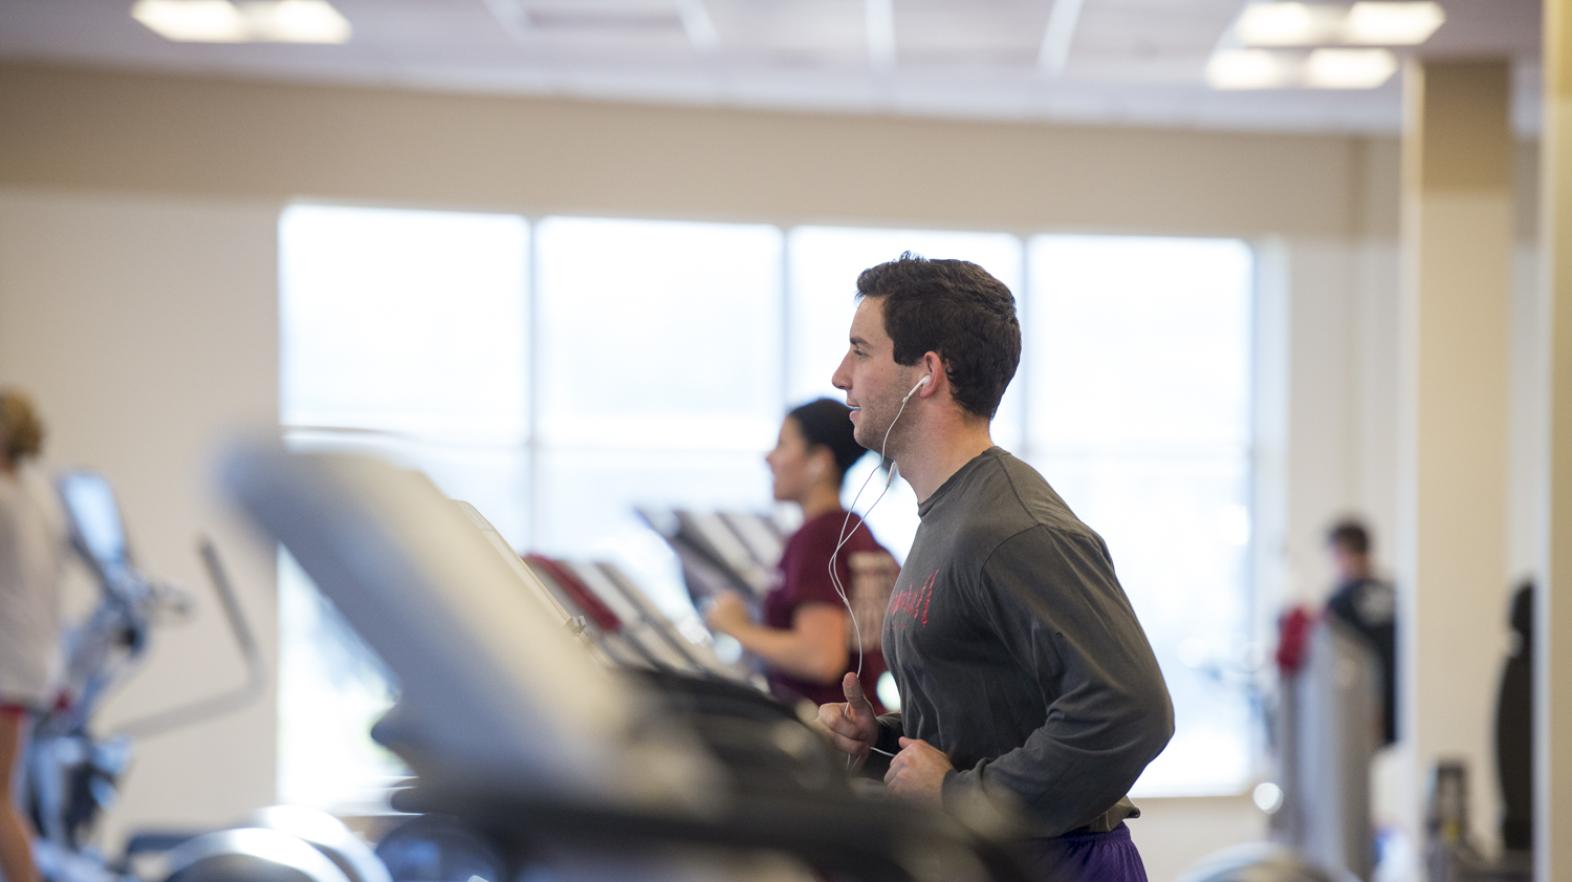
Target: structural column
(1553, 619)
(1454, 477)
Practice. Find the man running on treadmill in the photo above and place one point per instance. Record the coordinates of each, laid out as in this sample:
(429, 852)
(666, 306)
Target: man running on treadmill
(1027, 686)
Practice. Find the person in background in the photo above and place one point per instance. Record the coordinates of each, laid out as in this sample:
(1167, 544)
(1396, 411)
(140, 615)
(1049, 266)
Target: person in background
(30, 562)
(805, 639)
(1368, 605)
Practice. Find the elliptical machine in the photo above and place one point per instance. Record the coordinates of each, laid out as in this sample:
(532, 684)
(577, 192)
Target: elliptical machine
(71, 770)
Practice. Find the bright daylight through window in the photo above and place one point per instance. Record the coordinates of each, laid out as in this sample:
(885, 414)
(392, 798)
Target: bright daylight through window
(556, 373)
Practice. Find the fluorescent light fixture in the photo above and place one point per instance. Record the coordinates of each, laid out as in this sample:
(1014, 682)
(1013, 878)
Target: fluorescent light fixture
(1249, 69)
(1288, 24)
(1392, 23)
(193, 21)
(1275, 23)
(1349, 68)
(296, 21)
(259, 21)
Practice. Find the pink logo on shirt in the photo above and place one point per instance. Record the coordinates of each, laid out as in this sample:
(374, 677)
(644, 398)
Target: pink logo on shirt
(911, 604)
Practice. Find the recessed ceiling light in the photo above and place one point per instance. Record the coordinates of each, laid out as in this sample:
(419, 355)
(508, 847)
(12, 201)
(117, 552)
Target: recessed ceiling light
(1349, 68)
(192, 21)
(1392, 24)
(1275, 23)
(296, 21)
(1288, 24)
(1249, 69)
(221, 21)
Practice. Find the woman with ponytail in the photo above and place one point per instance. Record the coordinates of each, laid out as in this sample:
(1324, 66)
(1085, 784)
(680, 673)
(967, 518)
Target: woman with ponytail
(805, 640)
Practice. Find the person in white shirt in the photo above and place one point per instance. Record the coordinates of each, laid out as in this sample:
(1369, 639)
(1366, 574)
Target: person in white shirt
(30, 562)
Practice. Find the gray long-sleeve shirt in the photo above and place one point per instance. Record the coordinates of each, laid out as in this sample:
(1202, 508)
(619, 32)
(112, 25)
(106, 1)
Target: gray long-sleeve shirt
(1019, 656)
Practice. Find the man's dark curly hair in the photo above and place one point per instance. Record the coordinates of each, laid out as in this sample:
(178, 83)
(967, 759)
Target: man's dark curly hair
(1351, 535)
(954, 308)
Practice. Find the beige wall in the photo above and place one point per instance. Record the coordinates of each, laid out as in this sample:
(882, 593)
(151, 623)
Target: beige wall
(138, 290)
(1455, 326)
(171, 135)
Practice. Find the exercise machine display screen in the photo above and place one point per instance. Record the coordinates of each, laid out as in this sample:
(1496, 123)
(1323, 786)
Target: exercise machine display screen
(95, 518)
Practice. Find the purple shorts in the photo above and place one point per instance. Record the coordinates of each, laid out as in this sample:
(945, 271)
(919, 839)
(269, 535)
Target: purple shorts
(1086, 857)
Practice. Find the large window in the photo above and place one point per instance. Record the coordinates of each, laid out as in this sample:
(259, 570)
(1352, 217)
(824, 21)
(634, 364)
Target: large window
(404, 334)
(1138, 378)
(557, 373)
(654, 380)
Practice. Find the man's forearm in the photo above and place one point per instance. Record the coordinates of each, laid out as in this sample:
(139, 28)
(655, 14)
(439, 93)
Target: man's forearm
(1061, 778)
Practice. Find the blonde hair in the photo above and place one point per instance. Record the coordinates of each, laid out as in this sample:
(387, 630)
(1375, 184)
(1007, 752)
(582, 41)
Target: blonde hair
(21, 432)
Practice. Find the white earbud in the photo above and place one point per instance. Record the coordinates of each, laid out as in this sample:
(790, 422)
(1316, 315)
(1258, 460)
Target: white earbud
(920, 383)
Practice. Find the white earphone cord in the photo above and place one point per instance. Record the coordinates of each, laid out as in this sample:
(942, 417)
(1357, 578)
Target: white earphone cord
(835, 578)
(844, 537)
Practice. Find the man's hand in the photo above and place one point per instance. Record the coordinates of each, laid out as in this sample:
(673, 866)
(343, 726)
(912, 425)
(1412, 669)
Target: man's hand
(917, 772)
(727, 613)
(851, 725)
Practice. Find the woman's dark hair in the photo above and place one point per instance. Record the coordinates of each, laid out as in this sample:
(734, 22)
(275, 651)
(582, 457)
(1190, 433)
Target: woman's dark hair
(827, 423)
(956, 309)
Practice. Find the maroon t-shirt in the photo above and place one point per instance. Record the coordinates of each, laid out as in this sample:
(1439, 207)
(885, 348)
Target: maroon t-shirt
(804, 578)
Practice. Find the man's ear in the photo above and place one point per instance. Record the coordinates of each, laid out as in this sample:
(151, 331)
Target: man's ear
(934, 365)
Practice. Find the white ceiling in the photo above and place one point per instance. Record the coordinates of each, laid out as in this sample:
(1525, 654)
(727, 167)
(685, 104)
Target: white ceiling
(1138, 62)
